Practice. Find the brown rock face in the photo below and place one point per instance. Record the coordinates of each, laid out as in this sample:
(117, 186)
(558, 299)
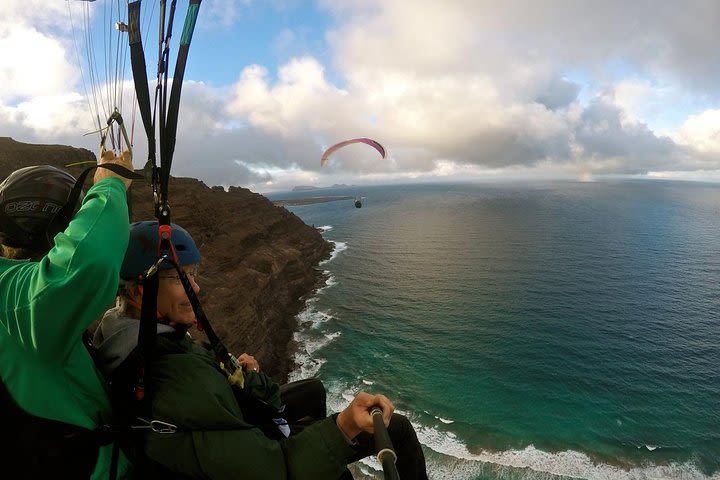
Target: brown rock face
(258, 259)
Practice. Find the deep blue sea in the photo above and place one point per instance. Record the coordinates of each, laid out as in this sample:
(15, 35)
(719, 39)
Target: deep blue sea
(528, 330)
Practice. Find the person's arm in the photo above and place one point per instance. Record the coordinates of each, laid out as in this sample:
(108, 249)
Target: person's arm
(262, 387)
(215, 443)
(53, 301)
(319, 451)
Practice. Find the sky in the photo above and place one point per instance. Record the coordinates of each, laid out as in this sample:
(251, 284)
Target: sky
(456, 90)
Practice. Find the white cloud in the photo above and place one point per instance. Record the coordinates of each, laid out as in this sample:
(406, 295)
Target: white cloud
(701, 131)
(457, 89)
(40, 13)
(221, 12)
(291, 107)
(31, 64)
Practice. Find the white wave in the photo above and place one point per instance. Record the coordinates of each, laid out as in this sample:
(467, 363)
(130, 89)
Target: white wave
(443, 420)
(310, 338)
(339, 247)
(309, 320)
(313, 318)
(325, 228)
(568, 463)
(329, 337)
(367, 382)
(330, 281)
(450, 457)
(651, 447)
(306, 360)
(339, 395)
(371, 467)
(313, 346)
(307, 367)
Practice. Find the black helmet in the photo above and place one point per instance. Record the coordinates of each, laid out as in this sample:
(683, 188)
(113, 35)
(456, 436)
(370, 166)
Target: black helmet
(29, 200)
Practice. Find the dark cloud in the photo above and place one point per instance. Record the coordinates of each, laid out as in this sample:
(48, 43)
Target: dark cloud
(558, 94)
(508, 146)
(601, 134)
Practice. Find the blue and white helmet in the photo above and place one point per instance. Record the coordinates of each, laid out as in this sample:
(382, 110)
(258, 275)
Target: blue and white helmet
(141, 253)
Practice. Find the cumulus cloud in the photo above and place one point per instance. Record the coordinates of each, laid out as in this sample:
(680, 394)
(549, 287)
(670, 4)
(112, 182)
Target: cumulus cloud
(221, 12)
(559, 93)
(32, 64)
(701, 132)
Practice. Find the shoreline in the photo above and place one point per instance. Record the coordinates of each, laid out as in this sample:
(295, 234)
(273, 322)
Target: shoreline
(445, 455)
(311, 200)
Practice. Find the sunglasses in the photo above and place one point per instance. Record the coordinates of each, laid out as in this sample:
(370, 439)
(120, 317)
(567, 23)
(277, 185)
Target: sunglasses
(191, 272)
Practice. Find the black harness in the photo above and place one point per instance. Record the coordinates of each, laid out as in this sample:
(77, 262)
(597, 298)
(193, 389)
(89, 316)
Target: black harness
(44, 448)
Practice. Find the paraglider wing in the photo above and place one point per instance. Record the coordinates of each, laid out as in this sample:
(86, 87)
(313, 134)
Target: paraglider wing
(340, 145)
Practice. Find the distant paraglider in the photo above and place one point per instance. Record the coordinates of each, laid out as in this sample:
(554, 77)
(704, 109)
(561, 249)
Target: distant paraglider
(369, 141)
(338, 146)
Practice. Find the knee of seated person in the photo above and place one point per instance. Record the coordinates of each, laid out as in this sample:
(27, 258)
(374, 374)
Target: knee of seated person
(404, 439)
(401, 425)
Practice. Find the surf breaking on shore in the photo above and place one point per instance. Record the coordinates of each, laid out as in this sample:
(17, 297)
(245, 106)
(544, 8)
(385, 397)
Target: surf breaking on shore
(446, 454)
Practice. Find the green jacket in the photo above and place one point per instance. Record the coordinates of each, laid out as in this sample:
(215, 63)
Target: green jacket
(46, 306)
(215, 442)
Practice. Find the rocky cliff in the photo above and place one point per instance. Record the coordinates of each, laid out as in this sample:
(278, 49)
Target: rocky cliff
(258, 259)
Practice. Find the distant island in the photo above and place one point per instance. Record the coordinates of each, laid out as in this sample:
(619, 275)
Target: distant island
(304, 188)
(317, 199)
(309, 200)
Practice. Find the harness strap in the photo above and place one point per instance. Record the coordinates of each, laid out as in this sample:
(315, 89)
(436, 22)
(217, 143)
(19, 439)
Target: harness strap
(230, 364)
(146, 337)
(157, 177)
(139, 69)
(174, 102)
(46, 447)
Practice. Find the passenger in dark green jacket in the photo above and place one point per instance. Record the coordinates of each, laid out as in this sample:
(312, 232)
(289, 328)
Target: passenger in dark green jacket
(53, 285)
(215, 439)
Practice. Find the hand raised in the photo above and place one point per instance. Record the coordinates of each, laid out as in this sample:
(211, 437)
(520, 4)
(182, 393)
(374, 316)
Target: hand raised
(108, 156)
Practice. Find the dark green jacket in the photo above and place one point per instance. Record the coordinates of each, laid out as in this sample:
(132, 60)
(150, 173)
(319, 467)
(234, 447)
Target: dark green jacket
(46, 306)
(192, 393)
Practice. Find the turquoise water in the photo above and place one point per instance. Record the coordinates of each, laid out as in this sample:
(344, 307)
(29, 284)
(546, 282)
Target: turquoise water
(528, 331)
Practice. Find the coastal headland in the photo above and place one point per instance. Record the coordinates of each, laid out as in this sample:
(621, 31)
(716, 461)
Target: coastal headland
(310, 200)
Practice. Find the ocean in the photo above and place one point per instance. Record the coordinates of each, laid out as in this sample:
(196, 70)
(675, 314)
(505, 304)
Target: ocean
(534, 331)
